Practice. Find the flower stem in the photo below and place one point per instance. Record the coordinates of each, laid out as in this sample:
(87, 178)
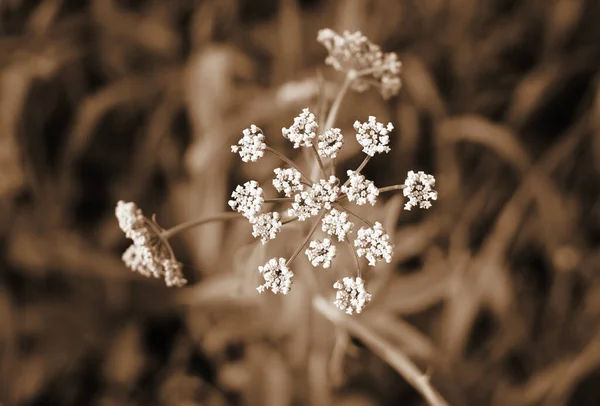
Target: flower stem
(335, 107)
(358, 272)
(390, 188)
(364, 220)
(290, 220)
(311, 232)
(319, 160)
(289, 162)
(279, 200)
(198, 222)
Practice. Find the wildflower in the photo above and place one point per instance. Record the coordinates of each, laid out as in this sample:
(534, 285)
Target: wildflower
(320, 196)
(266, 226)
(330, 142)
(360, 190)
(373, 244)
(287, 181)
(302, 132)
(373, 136)
(351, 295)
(173, 275)
(149, 255)
(418, 187)
(247, 199)
(321, 253)
(251, 146)
(277, 275)
(354, 52)
(336, 223)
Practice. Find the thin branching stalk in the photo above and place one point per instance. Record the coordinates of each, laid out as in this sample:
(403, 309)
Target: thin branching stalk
(364, 220)
(198, 222)
(310, 233)
(289, 162)
(358, 271)
(391, 188)
(335, 107)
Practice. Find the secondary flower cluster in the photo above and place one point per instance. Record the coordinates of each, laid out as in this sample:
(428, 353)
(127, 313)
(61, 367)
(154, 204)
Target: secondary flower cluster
(321, 199)
(149, 255)
(354, 51)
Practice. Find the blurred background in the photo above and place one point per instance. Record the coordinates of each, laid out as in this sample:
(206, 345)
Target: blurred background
(495, 291)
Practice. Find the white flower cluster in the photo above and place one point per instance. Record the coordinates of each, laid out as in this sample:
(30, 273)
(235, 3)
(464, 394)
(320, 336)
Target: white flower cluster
(287, 181)
(373, 244)
(321, 253)
(336, 223)
(266, 226)
(330, 142)
(373, 136)
(320, 196)
(251, 146)
(148, 254)
(302, 132)
(360, 190)
(351, 295)
(354, 51)
(418, 187)
(247, 199)
(278, 277)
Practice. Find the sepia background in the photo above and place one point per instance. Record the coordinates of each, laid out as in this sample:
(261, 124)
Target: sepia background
(494, 292)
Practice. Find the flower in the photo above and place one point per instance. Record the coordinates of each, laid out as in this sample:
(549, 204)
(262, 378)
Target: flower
(351, 295)
(354, 51)
(320, 196)
(251, 146)
(321, 253)
(330, 142)
(373, 244)
(302, 132)
(247, 199)
(373, 136)
(287, 181)
(336, 223)
(278, 277)
(418, 187)
(150, 255)
(360, 190)
(266, 226)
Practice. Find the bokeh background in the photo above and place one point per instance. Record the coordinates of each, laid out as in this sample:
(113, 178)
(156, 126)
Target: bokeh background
(495, 291)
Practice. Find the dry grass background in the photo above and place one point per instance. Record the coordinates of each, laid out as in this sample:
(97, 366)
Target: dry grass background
(495, 291)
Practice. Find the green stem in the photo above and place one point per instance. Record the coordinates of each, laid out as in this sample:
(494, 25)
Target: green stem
(198, 222)
(311, 232)
(289, 162)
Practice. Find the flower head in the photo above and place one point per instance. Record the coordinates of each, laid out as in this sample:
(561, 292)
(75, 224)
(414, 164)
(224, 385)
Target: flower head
(266, 226)
(247, 199)
(320, 196)
(336, 223)
(360, 190)
(251, 146)
(278, 277)
(321, 253)
(351, 295)
(373, 136)
(288, 181)
(354, 51)
(330, 142)
(418, 187)
(302, 132)
(373, 244)
(149, 255)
